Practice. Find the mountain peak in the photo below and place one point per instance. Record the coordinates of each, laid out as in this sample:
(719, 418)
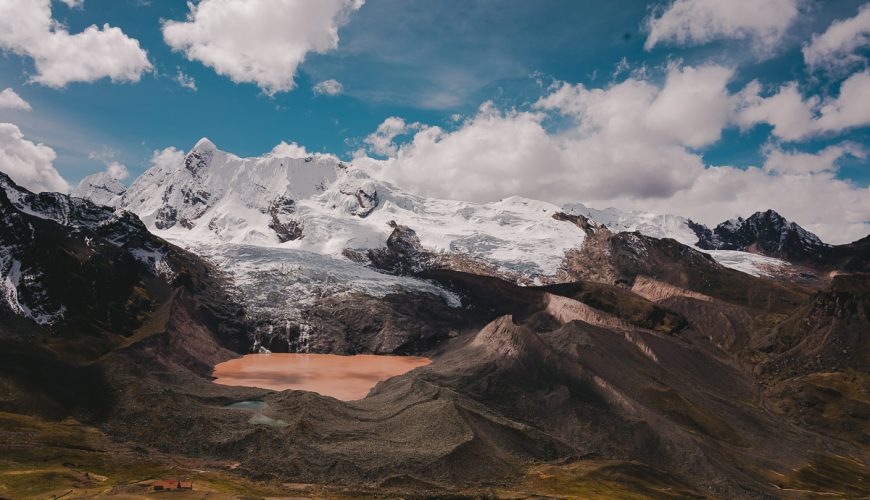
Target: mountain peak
(771, 215)
(100, 188)
(204, 144)
(767, 233)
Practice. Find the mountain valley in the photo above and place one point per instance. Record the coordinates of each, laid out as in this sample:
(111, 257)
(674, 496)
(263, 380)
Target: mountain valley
(574, 352)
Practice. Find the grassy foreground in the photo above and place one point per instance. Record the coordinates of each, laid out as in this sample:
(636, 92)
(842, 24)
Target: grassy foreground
(47, 459)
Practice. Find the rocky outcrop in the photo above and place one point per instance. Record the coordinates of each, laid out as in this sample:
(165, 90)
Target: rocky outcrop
(71, 265)
(658, 291)
(285, 226)
(767, 233)
(565, 310)
(366, 200)
(587, 225)
(403, 253)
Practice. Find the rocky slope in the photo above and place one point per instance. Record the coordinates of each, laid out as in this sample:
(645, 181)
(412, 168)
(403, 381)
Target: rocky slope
(620, 352)
(767, 233)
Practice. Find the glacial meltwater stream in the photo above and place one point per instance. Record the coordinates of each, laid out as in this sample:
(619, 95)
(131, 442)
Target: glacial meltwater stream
(347, 378)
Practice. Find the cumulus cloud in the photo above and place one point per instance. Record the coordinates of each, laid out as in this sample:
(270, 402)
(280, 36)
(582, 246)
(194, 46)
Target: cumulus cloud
(167, 158)
(259, 41)
(631, 137)
(382, 141)
(114, 168)
(835, 209)
(117, 170)
(794, 118)
(73, 3)
(288, 150)
(185, 80)
(797, 162)
(836, 48)
(293, 150)
(632, 144)
(27, 29)
(696, 22)
(28, 164)
(328, 87)
(10, 100)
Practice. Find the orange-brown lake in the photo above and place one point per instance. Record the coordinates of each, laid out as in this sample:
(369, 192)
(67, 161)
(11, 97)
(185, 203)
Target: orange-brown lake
(347, 378)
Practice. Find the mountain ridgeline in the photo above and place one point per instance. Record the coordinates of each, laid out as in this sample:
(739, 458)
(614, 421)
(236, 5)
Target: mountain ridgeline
(575, 352)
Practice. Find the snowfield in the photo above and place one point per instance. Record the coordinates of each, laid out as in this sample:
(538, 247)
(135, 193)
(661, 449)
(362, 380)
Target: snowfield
(279, 226)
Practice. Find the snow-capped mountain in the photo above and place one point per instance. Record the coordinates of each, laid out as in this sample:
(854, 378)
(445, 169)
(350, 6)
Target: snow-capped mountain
(282, 227)
(686, 232)
(101, 188)
(291, 231)
(321, 205)
(649, 224)
(56, 251)
(767, 233)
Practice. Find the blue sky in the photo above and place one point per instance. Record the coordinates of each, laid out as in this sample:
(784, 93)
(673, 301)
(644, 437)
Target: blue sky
(422, 61)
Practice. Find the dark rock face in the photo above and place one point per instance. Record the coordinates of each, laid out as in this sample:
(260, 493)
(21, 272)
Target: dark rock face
(285, 226)
(367, 201)
(167, 216)
(580, 221)
(403, 253)
(706, 239)
(767, 233)
(80, 267)
(197, 161)
(852, 257)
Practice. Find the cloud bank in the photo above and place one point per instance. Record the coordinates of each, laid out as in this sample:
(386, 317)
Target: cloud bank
(633, 144)
(259, 41)
(10, 100)
(696, 22)
(60, 58)
(28, 164)
(837, 48)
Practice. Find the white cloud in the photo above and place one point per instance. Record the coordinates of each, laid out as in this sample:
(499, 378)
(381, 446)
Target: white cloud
(73, 3)
(636, 109)
(631, 145)
(834, 209)
(294, 150)
(850, 108)
(788, 113)
(259, 41)
(167, 158)
(796, 162)
(695, 22)
(794, 118)
(328, 87)
(288, 150)
(117, 170)
(10, 100)
(27, 29)
(382, 141)
(185, 80)
(631, 137)
(836, 48)
(29, 165)
(104, 155)
(114, 168)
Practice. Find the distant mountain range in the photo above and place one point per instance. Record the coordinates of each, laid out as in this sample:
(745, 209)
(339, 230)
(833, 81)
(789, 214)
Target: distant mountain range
(316, 212)
(573, 350)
